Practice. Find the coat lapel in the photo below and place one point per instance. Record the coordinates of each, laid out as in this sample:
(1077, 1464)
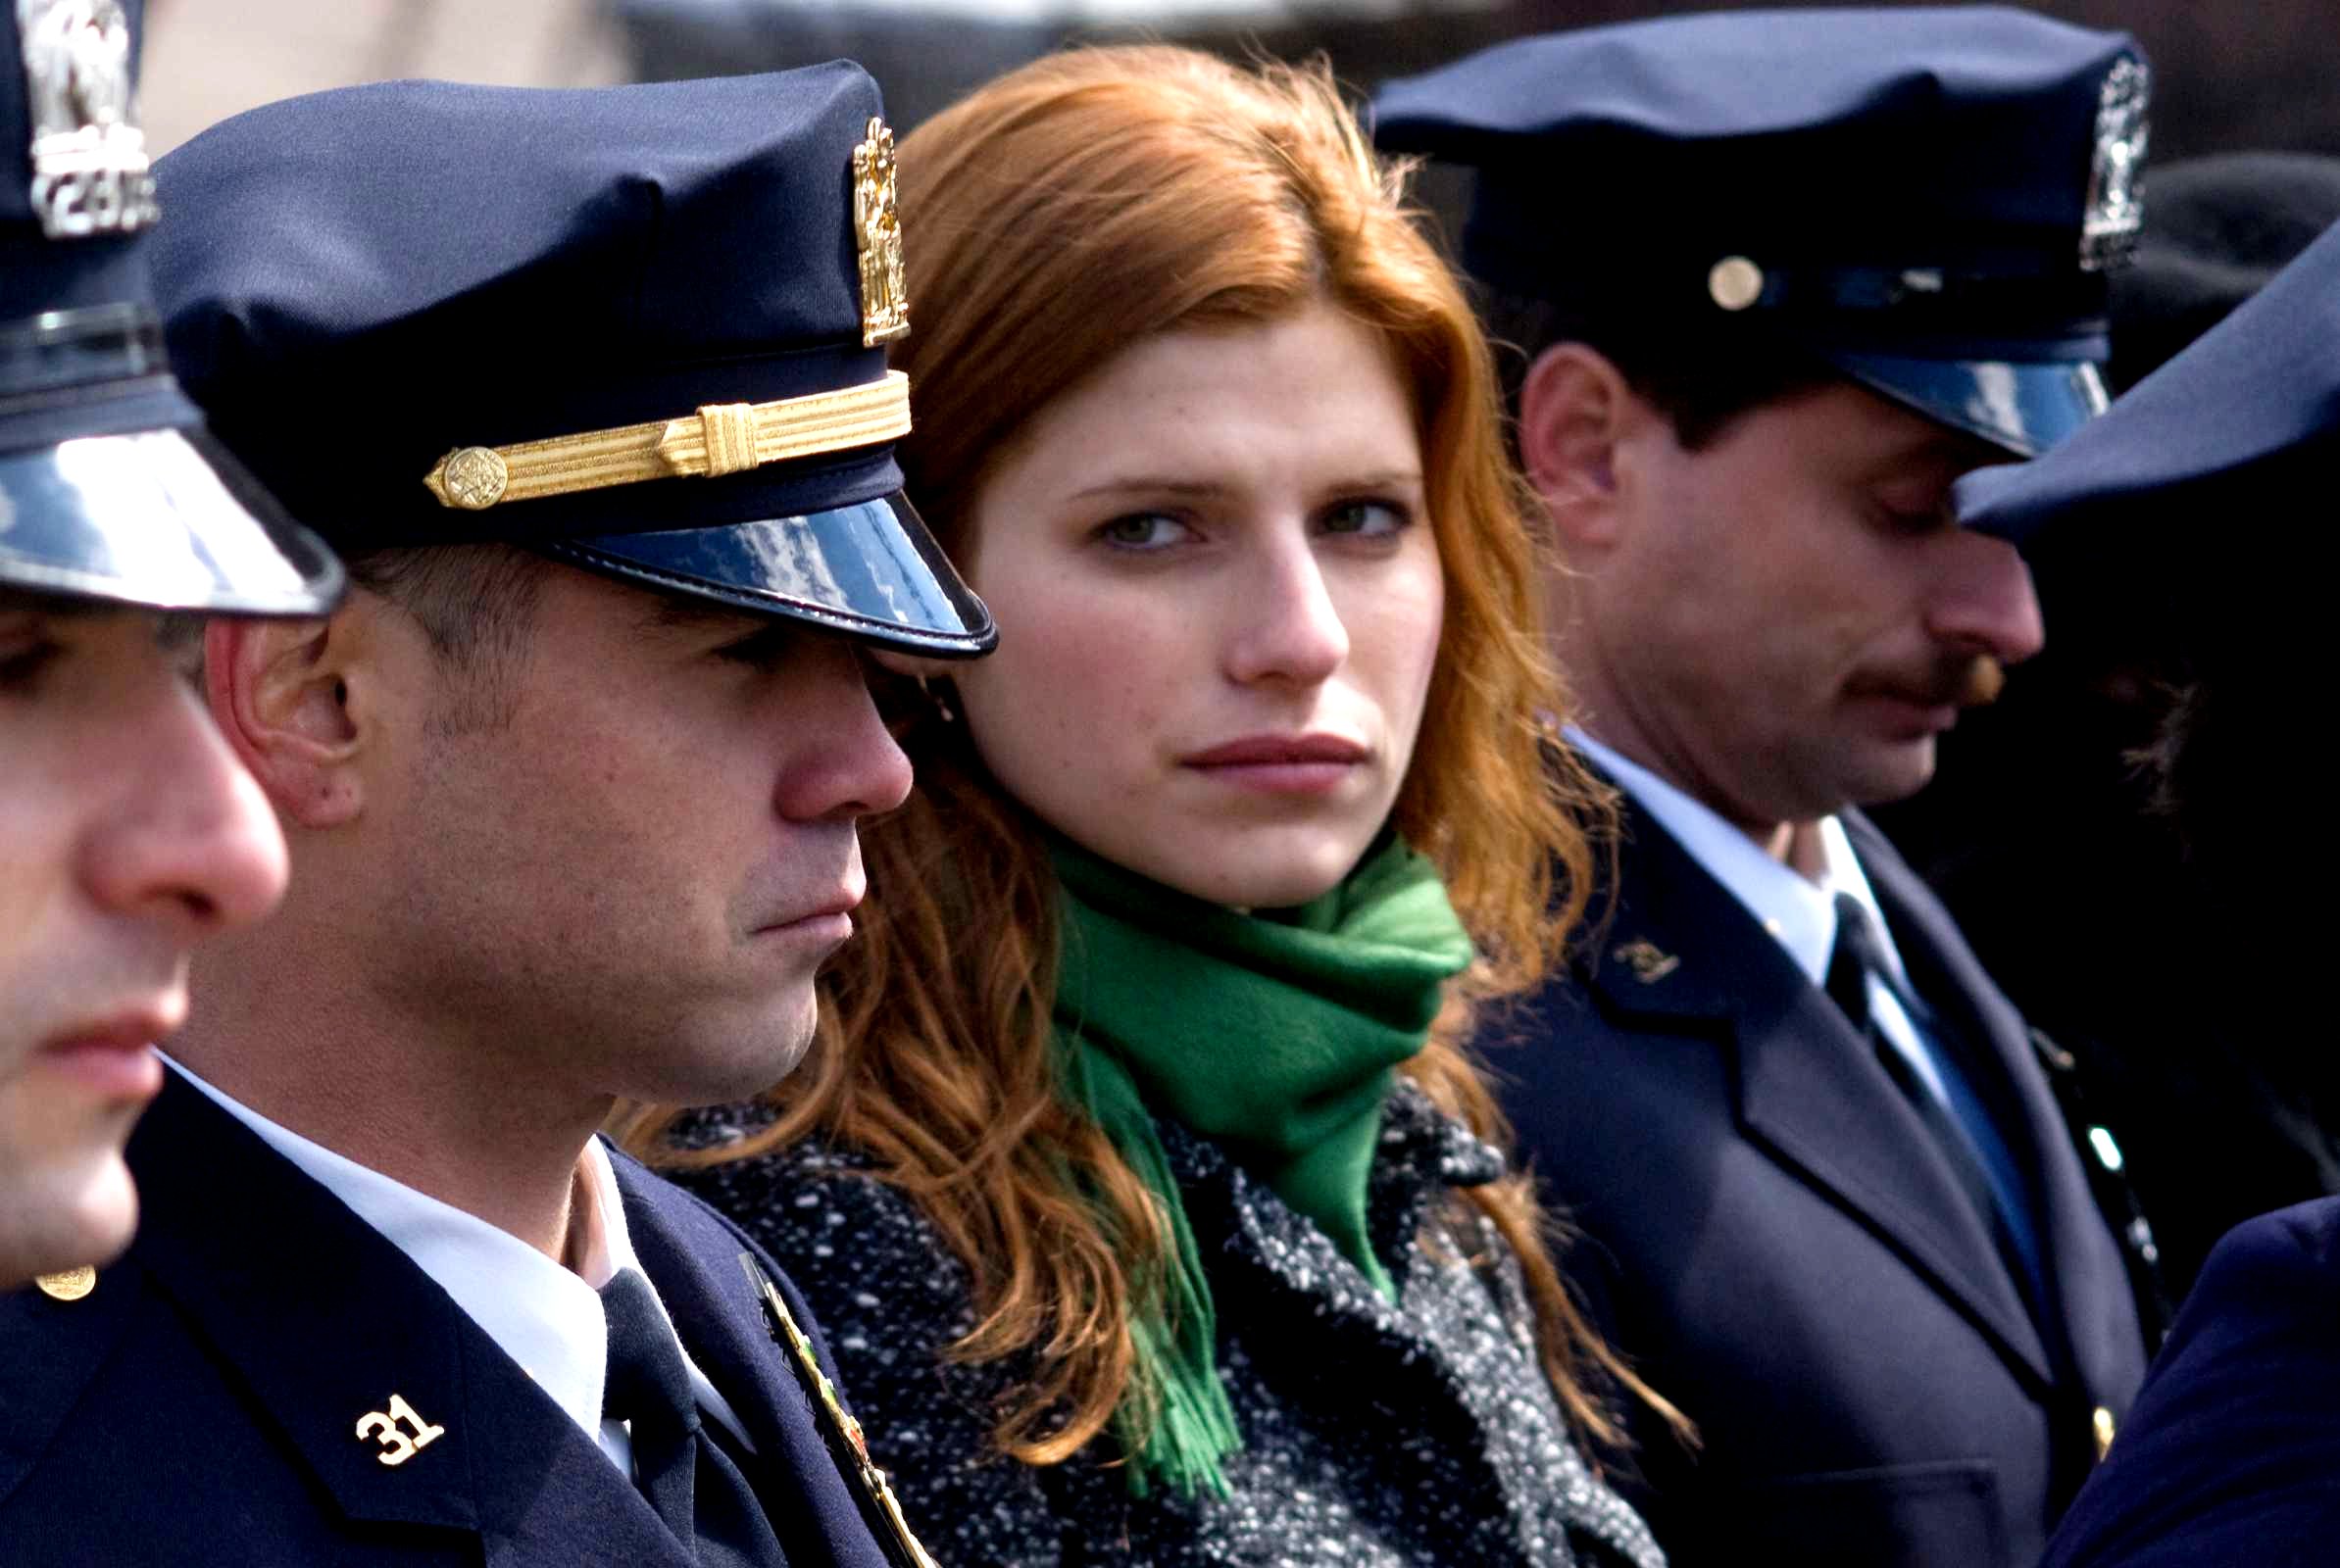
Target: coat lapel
(2089, 1284)
(1680, 954)
(327, 1324)
(692, 1257)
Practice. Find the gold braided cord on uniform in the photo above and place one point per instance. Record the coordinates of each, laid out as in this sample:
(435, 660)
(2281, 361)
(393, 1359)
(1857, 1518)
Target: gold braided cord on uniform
(718, 438)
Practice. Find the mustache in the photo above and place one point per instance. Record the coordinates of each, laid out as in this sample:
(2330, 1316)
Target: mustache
(1985, 679)
(1953, 680)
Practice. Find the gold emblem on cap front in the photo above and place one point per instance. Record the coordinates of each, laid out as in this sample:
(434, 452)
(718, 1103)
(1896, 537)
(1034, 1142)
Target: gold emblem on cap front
(90, 174)
(1735, 282)
(67, 1285)
(877, 238)
(472, 478)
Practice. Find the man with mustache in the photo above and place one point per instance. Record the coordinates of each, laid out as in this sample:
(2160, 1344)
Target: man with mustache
(129, 834)
(1780, 278)
(588, 390)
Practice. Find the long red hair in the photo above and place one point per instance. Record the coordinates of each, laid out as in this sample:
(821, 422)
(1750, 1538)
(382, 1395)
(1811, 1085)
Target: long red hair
(1054, 217)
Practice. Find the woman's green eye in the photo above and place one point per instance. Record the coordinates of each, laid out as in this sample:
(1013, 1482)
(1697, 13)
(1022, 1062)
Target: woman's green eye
(1142, 530)
(1366, 518)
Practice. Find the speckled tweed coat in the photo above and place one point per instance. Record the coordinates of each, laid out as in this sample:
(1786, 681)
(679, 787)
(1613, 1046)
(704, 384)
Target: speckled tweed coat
(1376, 1436)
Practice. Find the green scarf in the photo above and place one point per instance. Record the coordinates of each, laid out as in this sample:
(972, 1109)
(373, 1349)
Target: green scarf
(1275, 1033)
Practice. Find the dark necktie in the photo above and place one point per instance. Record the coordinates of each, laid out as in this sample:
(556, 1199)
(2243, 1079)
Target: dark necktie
(683, 1473)
(1857, 956)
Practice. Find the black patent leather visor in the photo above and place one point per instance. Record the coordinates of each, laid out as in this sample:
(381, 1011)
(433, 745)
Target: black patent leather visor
(160, 519)
(2022, 408)
(869, 570)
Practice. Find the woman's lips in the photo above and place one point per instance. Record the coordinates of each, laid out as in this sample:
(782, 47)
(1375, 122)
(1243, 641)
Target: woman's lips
(1281, 764)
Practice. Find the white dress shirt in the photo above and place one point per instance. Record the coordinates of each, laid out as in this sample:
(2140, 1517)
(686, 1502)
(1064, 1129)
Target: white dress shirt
(1799, 912)
(543, 1315)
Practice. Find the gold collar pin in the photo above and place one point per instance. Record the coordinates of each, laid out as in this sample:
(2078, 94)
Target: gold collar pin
(67, 1285)
(1648, 963)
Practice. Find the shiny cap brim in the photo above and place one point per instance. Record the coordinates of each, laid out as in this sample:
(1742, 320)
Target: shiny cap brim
(869, 570)
(159, 518)
(2022, 408)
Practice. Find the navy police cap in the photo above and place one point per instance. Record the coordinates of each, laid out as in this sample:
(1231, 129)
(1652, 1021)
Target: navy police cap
(2252, 402)
(2219, 227)
(640, 329)
(109, 487)
(1927, 198)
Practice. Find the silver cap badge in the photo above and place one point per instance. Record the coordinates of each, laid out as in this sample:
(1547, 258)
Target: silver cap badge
(90, 174)
(2116, 207)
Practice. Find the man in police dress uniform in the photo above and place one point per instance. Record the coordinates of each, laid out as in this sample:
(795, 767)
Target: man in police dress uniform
(1781, 278)
(2232, 1453)
(127, 831)
(587, 388)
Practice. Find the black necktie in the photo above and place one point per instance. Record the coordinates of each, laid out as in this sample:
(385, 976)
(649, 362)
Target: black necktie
(683, 1473)
(1856, 957)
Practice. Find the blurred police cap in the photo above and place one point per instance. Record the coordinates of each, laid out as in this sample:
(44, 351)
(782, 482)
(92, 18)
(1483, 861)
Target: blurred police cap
(109, 488)
(2216, 230)
(2249, 412)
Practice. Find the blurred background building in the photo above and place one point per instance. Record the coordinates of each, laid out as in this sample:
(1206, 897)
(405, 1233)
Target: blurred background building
(2266, 75)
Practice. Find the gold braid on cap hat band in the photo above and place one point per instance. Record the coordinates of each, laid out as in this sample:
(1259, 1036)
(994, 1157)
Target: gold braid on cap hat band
(720, 438)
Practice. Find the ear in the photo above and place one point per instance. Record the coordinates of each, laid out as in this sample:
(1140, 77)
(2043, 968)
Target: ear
(281, 692)
(1575, 408)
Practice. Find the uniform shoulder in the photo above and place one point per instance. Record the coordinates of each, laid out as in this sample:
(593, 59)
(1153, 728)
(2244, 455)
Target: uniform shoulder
(2301, 1243)
(56, 1345)
(2230, 1454)
(2275, 1278)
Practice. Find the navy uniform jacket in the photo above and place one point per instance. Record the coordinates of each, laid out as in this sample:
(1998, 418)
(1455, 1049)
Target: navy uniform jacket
(1771, 1238)
(202, 1403)
(2233, 1453)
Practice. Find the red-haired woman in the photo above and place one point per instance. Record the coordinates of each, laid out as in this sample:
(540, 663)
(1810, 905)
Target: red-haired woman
(1139, 1177)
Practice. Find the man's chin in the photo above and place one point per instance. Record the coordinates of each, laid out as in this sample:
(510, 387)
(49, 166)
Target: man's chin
(85, 1213)
(740, 1065)
(1894, 773)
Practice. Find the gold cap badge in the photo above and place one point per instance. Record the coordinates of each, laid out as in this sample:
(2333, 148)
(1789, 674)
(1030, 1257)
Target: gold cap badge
(877, 237)
(90, 174)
